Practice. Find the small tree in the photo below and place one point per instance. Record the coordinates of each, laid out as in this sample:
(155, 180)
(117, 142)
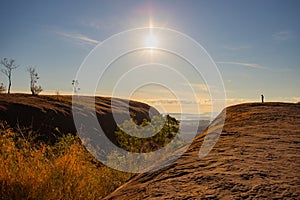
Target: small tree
(35, 90)
(2, 88)
(8, 65)
(75, 84)
(58, 96)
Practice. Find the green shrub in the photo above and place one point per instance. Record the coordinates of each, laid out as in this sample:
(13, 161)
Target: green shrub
(164, 128)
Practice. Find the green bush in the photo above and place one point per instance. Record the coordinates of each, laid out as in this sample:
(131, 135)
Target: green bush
(164, 128)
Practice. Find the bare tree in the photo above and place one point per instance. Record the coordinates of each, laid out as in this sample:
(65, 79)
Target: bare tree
(8, 65)
(35, 90)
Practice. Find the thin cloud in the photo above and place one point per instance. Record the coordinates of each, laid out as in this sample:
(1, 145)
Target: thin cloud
(201, 87)
(251, 65)
(171, 101)
(282, 35)
(106, 24)
(79, 38)
(296, 99)
(234, 101)
(205, 101)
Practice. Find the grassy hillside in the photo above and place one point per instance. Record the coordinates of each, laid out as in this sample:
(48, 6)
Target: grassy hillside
(40, 160)
(64, 170)
(51, 116)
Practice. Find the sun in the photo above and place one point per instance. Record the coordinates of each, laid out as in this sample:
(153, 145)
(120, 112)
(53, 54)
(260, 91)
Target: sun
(151, 41)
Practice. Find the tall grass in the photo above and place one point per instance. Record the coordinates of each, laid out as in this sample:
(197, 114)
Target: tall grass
(65, 170)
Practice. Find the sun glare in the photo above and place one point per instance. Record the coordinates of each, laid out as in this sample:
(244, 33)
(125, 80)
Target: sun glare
(151, 41)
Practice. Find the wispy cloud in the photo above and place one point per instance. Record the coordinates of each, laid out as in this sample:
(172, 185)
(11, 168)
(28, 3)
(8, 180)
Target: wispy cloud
(296, 99)
(251, 65)
(229, 101)
(234, 101)
(282, 35)
(79, 38)
(202, 87)
(179, 102)
(100, 24)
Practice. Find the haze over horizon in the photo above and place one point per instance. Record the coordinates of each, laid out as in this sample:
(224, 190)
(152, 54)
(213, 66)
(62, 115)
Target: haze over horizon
(254, 44)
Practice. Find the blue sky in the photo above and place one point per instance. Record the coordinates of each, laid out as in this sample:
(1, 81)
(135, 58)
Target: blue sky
(255, 44)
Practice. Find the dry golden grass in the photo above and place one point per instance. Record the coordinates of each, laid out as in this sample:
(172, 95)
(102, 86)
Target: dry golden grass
(62, 171)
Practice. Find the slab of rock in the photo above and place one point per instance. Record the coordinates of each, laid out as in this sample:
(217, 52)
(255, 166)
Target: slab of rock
(257, 156)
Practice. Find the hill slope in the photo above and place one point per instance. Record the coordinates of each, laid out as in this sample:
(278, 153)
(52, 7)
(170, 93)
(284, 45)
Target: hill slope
(256, 156)
(52, 116)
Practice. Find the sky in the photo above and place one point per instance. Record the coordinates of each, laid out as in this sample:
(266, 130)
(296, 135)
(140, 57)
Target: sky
(254, 44)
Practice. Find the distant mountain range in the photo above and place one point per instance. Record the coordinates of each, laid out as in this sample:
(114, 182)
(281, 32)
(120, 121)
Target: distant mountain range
(188, 116)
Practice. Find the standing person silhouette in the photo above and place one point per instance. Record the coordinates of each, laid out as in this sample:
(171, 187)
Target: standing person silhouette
(262, 98)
